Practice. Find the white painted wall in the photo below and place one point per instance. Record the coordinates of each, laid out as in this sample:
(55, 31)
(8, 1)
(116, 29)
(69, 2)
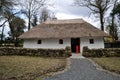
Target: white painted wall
(46, 43)
(54, 43)
(98, 42)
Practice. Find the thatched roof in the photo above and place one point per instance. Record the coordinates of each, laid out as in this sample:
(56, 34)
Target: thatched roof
(63, 29)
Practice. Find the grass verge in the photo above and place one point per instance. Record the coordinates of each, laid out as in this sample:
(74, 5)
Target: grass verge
(28, 68)
(109, 63)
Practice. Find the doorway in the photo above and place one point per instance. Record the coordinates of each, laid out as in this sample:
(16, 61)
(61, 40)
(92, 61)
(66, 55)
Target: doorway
(75, 45)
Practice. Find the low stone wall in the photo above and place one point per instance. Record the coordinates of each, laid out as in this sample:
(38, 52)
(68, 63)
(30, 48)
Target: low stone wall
(35, 52)
(107, 52)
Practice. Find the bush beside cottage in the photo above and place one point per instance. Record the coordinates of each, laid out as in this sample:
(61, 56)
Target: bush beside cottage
(35, 52)
(107, 52)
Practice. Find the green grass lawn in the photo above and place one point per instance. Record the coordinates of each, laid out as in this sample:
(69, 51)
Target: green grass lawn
(109, 63)
(25, 67)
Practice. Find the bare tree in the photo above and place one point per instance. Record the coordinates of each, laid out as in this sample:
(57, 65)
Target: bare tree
(31, 8)
(112, 13)
(34, 20)
(16, 26)
(112, 27)
(98, 7)
(5, 6)
(46, 15)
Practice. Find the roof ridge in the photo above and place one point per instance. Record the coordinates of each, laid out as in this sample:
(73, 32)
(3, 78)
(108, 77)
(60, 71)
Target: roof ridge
(64, 21)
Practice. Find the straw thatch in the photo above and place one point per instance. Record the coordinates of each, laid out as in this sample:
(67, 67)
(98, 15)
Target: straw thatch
(63, 29)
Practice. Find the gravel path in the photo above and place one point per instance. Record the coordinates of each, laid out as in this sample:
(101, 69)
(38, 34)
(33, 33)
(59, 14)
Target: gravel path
(83, 69)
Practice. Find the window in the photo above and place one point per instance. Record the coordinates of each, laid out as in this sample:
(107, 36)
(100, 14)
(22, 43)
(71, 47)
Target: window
(91, 41)
(60, 41)
(39, 41)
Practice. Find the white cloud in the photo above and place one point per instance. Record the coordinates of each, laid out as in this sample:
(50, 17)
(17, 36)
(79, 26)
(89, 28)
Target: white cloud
(66, 16)
(70, 16)
(64, 9)
(66, 6)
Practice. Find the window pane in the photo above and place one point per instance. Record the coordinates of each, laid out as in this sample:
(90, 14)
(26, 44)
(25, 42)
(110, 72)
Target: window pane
(91, 41)
(60, 41)
(39, 41)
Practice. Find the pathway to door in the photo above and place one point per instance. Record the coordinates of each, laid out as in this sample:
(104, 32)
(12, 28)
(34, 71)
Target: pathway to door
(83, 69)
(76, 56)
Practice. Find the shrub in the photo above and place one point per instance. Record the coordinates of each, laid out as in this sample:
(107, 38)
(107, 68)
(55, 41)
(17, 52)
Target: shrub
(85, 49)
(97, 53)
(86, 52)
(68, 51)
(10, 45)
(107, 52)
(35, 52)
(118, 53)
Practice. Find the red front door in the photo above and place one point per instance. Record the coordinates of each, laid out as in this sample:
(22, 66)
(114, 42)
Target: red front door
(77, 49)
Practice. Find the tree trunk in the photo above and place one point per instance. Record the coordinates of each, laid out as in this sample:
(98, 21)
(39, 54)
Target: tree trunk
(2, 34)
(113, 27)
(101, 21)
(28, 24)
(115, 36)
(29, 17)
(16, 43)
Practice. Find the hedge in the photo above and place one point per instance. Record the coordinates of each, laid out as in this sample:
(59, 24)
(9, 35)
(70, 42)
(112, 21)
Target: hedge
(107, 52)
(35, 52)
(10, 45)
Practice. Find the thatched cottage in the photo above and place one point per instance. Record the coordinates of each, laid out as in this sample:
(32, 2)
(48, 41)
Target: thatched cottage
(57, 34)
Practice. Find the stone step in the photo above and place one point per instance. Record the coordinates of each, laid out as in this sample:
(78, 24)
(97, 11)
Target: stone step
(77, 56)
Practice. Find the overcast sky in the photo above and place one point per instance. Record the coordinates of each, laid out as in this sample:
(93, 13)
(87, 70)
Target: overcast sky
(64, 9)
